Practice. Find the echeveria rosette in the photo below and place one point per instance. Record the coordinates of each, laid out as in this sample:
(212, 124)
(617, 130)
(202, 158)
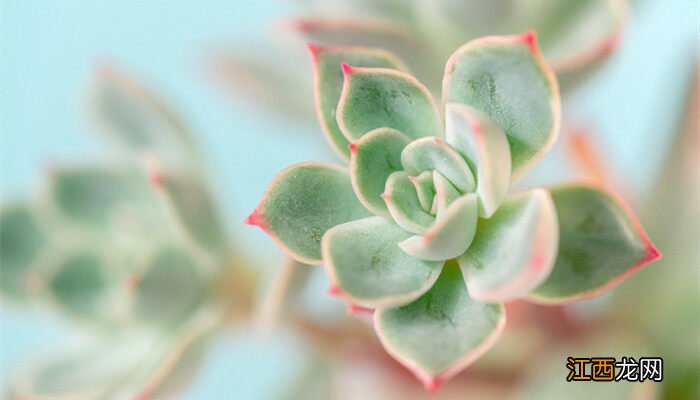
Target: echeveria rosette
(421, 227)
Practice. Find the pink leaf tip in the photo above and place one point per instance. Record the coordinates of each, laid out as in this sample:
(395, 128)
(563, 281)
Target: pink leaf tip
(353, 147)
(432, 384)
(333, 291)
(354, 309)
(255, 219)
(131, 282)
(530, 39)
(156, 178)
(384, 196)
(347, 69)
(314, 50)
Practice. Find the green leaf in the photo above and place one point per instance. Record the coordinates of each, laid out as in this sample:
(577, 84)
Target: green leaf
(442, 332)
(328, 83)
(514, 250)
(450, 235)
(375, 156)
(600, 245)
(79, 282)
(485, 147)
(403, 203)
(21, 241)
(136, 119)
(106, 198)
(425, 189)
(168, 287)
(445, 193)
(507, 78)
(302, 203)
(431, 153)
(384, 98)
(187, 197)
(367, 268)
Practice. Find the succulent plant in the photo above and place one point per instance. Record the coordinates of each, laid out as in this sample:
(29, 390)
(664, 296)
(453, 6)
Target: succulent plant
(132, 248)
(577, 37)
(422, 228)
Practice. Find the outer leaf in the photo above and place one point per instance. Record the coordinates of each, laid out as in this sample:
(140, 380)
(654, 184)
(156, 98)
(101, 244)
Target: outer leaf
(302, 203)
(486, 147)
(136, 119)
(403, 203)
(367, 268)
(328, 83)
(384, 98)
(451, 234)
(601, 244)
(507, 78)
(21, 240)
(442, 332)
(514, 250)
(374, 157)
(431, 153)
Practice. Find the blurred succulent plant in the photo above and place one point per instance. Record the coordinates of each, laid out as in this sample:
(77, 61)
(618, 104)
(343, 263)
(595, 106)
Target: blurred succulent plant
(421, 228)
(576, 37)
(132, 248)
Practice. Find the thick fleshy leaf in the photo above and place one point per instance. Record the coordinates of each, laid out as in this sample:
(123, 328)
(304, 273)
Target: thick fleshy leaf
(135, 118)
(302, 203)
(445, 193)
(442, 332)
(106, 198)
(450, 235)
(431, 153)
(485, 146)
(403, 203)
(601, 243)
(78, 282)
(187, 197)
(374, 157)
(514, 250)
(21, 241)
(384, 98)
(425, 189)
(507, 78)
(367, 268)
(169, 285)
(328, 83)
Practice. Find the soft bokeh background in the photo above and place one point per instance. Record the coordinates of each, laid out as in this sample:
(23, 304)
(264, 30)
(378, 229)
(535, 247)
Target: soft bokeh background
(50, 51)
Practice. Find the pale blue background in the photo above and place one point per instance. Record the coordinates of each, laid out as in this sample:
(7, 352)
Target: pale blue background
(49, 50)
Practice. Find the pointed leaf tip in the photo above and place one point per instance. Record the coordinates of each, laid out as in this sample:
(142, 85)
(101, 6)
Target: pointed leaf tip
(314, 50)
(530, 39)
(352, 147)
(347, 69)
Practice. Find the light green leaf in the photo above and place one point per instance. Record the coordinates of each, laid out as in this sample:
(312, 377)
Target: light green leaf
(168, 287)
(600, 245)
(367, 268)
(375, 156)
(450, 235)
(425, 189)
(514, 250)
(507, 78)
(187, 197)
(328, 83)
(445, 193)
(21, 241)
(106, 198)
(302, 203)
(136, 119)
(431, 153)
(384, 98)
(485, 147)
(442, 332)
(403, 203)
(78, 283)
